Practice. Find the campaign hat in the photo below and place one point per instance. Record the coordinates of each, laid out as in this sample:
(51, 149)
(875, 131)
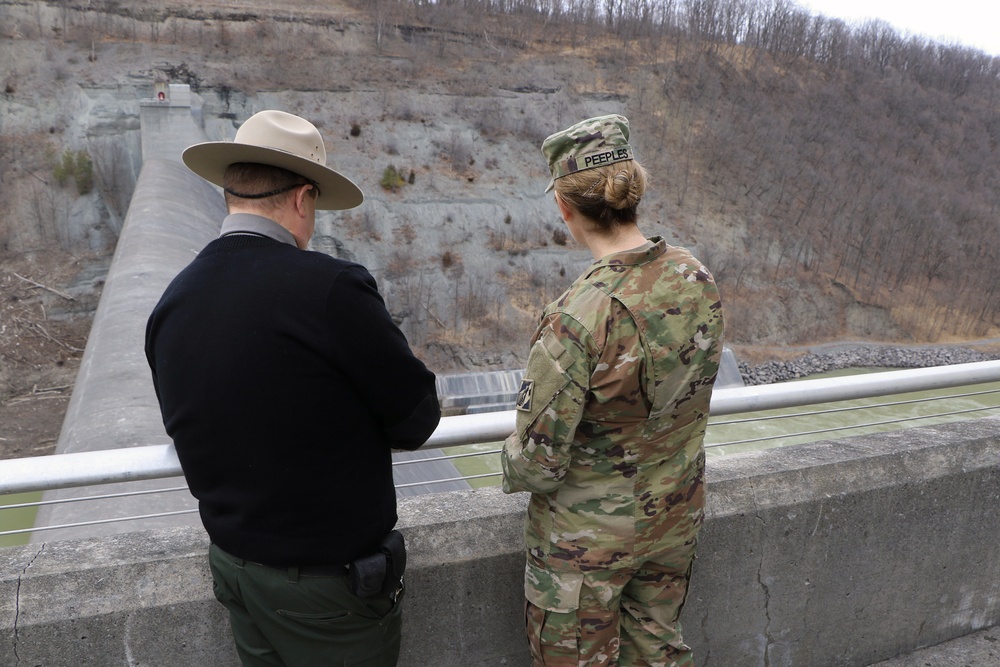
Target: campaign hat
(589, 144)
(278, 139)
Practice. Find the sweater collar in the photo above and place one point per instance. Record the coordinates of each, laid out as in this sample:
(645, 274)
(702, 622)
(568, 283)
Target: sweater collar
(247, 223)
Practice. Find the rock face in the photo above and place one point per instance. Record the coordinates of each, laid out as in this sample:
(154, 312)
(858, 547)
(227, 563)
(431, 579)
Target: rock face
(859, 357)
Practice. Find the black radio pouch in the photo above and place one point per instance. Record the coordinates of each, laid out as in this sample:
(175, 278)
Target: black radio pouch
(366, 575)
(381, 571)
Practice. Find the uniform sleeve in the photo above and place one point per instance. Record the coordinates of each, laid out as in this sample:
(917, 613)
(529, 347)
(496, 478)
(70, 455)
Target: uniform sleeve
(397, 387)
(549, 407)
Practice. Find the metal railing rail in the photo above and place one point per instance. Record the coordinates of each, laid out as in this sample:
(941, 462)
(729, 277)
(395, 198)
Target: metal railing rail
(496, 451)
(854, 408)
(160, 461)
(95, 522)
(848, 427)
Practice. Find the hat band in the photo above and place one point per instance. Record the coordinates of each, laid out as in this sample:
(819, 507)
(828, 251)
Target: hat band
(278, 191)
(576, 163)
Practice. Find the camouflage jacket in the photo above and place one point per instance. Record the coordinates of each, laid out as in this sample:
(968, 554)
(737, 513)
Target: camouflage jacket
(612, 412)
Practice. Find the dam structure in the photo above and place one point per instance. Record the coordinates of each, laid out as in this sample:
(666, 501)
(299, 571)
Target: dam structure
(836, 553)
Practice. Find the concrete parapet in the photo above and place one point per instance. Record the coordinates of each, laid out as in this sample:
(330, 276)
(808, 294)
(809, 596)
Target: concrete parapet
(829, 554)
(849, 552)
(133, 599)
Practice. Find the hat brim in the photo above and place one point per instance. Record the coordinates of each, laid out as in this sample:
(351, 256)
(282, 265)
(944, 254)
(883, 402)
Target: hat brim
(210, 160)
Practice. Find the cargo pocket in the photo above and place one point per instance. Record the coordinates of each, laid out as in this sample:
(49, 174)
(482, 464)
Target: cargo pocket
(552, 591)
(551, 615)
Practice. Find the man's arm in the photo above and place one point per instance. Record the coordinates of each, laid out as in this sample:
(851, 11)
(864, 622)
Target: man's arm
(151, 355)
(397, 387)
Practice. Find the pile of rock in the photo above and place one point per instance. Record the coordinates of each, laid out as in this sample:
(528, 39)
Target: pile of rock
(858, 357)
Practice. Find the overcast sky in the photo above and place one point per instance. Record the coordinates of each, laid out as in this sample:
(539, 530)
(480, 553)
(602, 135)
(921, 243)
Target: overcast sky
(974, 23)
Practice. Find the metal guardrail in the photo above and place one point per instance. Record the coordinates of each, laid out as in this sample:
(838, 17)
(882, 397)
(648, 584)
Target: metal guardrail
(160, 461)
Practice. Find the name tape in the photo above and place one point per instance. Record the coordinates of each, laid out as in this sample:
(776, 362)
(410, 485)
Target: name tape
(597, 159)
(576, 163)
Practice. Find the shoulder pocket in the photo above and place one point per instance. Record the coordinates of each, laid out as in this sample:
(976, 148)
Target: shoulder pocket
(545, 376)
(552, 591)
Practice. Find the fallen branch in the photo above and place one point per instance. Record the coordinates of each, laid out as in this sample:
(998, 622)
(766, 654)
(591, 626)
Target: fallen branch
(36, 393)
(40, 397)
(46, 287)
(49, 390)
(45, 334)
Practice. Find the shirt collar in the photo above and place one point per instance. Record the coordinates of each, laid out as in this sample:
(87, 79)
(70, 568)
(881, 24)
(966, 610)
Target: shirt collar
(652, 248)
(247, 223)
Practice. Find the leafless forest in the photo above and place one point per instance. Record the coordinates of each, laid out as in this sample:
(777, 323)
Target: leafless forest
(840, 155)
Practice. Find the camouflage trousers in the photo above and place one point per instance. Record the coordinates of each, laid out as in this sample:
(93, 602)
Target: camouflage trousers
(624, 618)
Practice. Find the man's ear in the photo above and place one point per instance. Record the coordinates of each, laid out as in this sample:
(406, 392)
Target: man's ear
(300, 199)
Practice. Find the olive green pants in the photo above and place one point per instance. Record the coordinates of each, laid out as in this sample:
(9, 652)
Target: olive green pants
(281, 618)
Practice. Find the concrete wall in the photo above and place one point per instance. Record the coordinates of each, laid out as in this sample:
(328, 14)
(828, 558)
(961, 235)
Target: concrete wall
(829, 554)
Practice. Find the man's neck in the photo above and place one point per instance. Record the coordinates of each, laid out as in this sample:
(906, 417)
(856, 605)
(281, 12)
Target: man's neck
(280, 217)
(253, 223)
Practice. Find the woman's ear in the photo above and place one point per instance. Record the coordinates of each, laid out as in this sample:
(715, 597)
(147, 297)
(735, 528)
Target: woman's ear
(565, 208)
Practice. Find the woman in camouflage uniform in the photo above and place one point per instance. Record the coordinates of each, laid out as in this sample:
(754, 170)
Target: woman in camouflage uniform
(610, 422)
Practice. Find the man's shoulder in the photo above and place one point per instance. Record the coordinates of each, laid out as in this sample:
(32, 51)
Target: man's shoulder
(327, 261)
(331, 268)
(272, 261)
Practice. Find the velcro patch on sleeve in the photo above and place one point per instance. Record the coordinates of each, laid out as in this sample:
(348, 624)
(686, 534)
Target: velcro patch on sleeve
(524, 395)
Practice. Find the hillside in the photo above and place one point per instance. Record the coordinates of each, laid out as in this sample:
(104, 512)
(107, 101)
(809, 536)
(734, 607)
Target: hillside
(841, 182)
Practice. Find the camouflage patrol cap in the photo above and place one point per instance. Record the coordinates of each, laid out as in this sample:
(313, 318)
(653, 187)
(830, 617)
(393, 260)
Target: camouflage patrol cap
(591, 143)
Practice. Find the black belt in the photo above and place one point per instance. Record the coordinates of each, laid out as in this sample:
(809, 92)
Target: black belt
(308, 570)
(301, 570)
(322, 570)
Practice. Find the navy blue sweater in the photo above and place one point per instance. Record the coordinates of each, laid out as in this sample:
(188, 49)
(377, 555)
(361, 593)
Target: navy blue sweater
(284, 384)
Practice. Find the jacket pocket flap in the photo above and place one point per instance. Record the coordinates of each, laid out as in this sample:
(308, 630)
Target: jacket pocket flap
(552, 591)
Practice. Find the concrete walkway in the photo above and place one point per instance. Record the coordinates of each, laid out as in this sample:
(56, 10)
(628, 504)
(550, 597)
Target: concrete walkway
(980, 649)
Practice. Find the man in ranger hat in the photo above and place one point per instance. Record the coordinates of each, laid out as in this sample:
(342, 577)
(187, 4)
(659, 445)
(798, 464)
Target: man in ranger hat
(271, 364)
